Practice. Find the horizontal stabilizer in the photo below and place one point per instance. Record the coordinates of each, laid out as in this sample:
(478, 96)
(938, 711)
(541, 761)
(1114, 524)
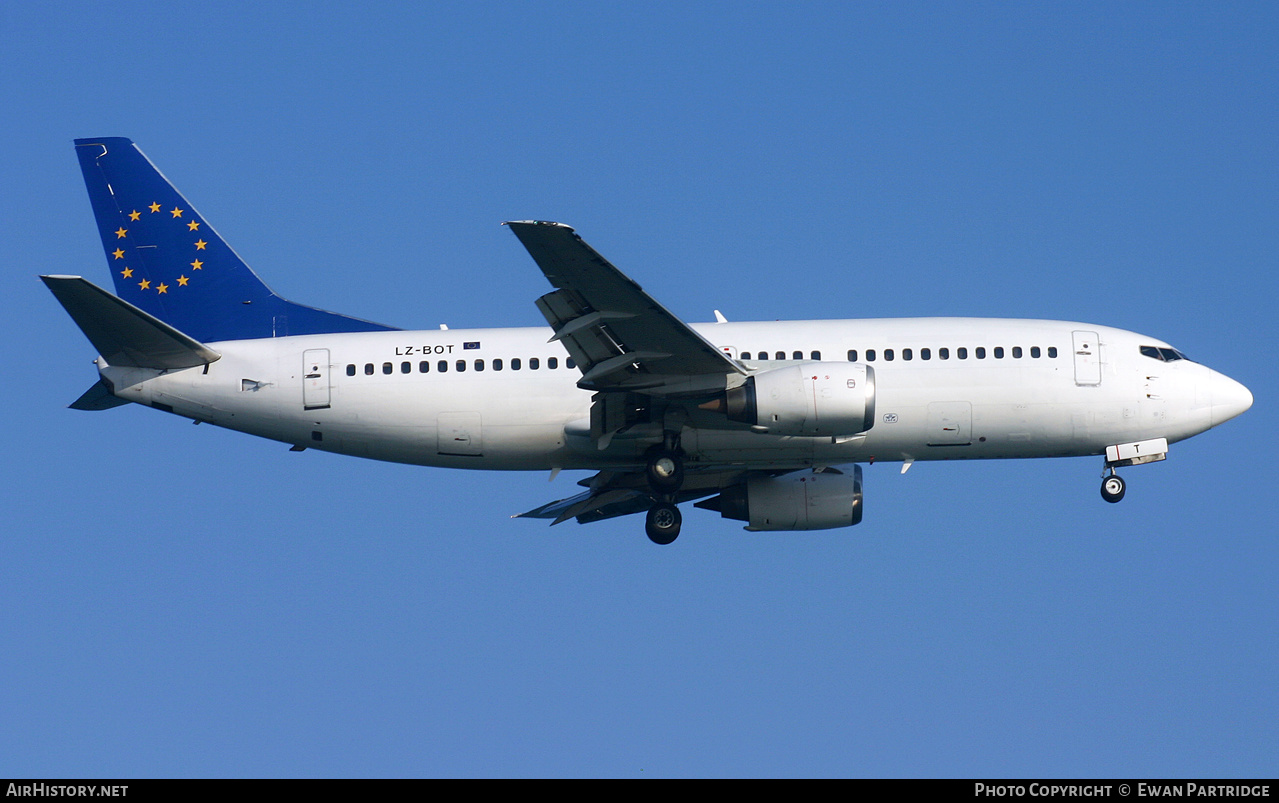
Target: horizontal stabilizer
(123, 334)
(98, 397)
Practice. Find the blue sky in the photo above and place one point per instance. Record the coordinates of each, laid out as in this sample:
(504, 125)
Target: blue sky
(183, 601)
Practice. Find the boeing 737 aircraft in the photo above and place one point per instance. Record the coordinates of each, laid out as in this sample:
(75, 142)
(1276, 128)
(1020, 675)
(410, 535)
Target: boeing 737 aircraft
(766, 423)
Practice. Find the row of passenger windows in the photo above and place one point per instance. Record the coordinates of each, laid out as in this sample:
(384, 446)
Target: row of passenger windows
(909, 354)
(442, 366)
(552, 363)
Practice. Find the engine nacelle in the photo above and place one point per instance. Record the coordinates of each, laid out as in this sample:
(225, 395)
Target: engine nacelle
(812, 398)
(802, 500)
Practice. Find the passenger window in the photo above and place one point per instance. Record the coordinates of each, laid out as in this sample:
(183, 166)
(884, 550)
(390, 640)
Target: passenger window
(908, 354)
(1052, 352)
(387, 368)
(497, 364)
(1016, 352)
(981, 352)
(461, 366)
(852, 355)
(350, 370)
(925, 354)
(533, 364)
(763, 355)
(797, 355)
(442, 366)
(368, 368)
(1035, 352)
(961, 353)
(746, 355)
(815, 355)
(570, 363)
(999, 352)
(424, 367)
(870, 355)
(406, 367)
(943, 353)
(552, 362)
(515, 363)
(781, 355)
(888, 354)
(479, 365)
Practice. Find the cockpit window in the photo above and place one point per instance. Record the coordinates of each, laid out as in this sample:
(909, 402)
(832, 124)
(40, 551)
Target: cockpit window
(1162, 353)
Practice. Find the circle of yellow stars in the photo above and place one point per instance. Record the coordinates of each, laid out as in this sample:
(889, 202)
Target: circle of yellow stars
(192, 226)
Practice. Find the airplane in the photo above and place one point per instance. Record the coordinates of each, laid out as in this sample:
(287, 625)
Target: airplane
(762, 422)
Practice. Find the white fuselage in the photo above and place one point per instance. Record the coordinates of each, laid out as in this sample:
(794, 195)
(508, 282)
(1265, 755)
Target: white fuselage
(946, 388)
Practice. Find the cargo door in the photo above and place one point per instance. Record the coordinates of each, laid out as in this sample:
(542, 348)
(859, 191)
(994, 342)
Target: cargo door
(950, 424)
(459, 434)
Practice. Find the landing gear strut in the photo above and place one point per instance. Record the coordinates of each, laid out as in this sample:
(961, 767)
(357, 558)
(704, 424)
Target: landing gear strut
(1112, 488)
(665, 472)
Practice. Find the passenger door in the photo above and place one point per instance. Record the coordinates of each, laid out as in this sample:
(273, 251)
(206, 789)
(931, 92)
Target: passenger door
(315, 379)
(1087, 358)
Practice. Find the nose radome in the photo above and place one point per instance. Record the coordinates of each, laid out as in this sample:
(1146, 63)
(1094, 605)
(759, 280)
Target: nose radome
(1229, 398)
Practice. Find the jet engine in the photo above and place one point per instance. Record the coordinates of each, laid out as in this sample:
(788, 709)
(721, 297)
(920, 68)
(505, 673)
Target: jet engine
(802, 500)
(812, 398)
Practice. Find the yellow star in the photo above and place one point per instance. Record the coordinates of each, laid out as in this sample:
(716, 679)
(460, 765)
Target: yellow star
(134, 215)
(176, 212)
(118, 253)
(154, 208)
(163, 288)
(127, 273)
(197, 265)
(120, 232)
(146, 283)
(199, 244)
(182, 281)
(193, 225)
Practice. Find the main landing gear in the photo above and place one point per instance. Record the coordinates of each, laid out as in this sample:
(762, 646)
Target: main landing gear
(1112, 487)
(665, 472)
(663, 523)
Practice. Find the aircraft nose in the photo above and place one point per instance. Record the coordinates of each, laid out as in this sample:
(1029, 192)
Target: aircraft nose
(1229, 398)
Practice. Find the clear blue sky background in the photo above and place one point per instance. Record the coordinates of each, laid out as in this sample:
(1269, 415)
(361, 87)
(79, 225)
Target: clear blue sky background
(183, 601)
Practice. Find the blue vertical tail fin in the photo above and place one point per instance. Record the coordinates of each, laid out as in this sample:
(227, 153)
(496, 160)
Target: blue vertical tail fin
(169, 262)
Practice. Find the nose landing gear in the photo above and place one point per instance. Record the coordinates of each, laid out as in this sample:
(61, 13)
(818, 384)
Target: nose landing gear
(1129, 454)
(1113, 488)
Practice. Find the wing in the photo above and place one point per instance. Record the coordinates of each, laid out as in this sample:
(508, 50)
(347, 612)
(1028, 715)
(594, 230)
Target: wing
(648, 368)
(619, 336)
(621, 493)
